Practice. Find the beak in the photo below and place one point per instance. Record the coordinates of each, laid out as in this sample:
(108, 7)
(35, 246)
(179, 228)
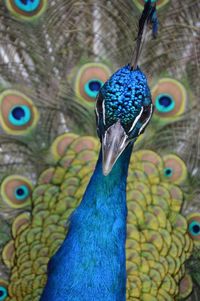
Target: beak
(114, 142)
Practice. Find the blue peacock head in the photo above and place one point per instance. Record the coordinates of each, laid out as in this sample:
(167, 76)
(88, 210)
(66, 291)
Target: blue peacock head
(123, 110)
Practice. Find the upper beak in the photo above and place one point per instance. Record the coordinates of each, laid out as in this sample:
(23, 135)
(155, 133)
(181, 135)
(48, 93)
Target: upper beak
(114, 142)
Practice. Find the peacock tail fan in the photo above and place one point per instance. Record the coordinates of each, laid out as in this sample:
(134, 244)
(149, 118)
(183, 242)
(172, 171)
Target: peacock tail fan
(64, 43)
(54, 58)
(158, 243)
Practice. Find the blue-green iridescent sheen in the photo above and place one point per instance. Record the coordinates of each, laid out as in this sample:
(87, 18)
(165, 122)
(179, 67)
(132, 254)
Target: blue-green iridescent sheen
(97, 256)
(194, 228)
(125, 93)
(27, 5)
(3, 293)
(21, 193)
(164, 103)
(168, 172)
(92, 87)
(20, 118)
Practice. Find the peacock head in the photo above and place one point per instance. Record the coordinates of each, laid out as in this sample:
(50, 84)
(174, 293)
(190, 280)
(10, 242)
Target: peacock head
(123, 110)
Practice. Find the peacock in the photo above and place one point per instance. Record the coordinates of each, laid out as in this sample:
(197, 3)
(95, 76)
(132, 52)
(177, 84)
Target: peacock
(55, 58)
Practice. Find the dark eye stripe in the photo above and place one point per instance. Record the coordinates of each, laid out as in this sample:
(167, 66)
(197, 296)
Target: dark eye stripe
(97, 113)
(147, 121)
(99, 103)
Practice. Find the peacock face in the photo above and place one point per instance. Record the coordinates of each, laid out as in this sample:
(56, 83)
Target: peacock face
(123, 110)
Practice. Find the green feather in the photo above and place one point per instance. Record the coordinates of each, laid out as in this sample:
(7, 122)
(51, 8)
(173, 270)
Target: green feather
(41, 57)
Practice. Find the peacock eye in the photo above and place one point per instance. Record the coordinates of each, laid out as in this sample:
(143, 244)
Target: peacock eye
(194, 228)
(92, 87)
(193, 220)
(20, 115)
(22, 192)
(164, 103)
(3, 293)
(168, 172)
(174, 169)
(16, 191)
(170, 99)
(88, 81)
(27, 10)
(27, 5)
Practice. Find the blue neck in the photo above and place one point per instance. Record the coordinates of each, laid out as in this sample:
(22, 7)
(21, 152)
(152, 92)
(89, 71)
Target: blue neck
(90, 264)
(103, 186)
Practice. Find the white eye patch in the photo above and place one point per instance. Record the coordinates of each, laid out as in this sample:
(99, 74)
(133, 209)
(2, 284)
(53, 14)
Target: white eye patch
(136, 120)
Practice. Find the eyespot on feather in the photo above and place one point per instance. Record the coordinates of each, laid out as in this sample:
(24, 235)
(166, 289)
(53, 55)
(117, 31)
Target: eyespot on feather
(16, 191)
(159, 3)
(18, 115)
(194, 226)
(169, 98)
(3, 290)
(27, 10)
(174, 169)
(89, 80)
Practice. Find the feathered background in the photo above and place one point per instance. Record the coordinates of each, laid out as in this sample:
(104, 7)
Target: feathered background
(48, 58)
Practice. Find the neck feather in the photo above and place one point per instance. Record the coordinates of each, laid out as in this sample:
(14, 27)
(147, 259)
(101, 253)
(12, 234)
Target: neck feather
(91, 263)
(103, 186)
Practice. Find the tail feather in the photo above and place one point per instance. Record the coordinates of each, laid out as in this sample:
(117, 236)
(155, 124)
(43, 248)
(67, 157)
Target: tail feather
(45, 58)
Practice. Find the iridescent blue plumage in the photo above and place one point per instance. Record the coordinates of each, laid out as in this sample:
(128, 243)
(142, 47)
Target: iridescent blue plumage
(90, 264)
(125, 93)
(123, 110)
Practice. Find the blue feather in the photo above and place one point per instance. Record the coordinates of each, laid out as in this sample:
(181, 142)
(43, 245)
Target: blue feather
(90, 264)
(125, 93)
